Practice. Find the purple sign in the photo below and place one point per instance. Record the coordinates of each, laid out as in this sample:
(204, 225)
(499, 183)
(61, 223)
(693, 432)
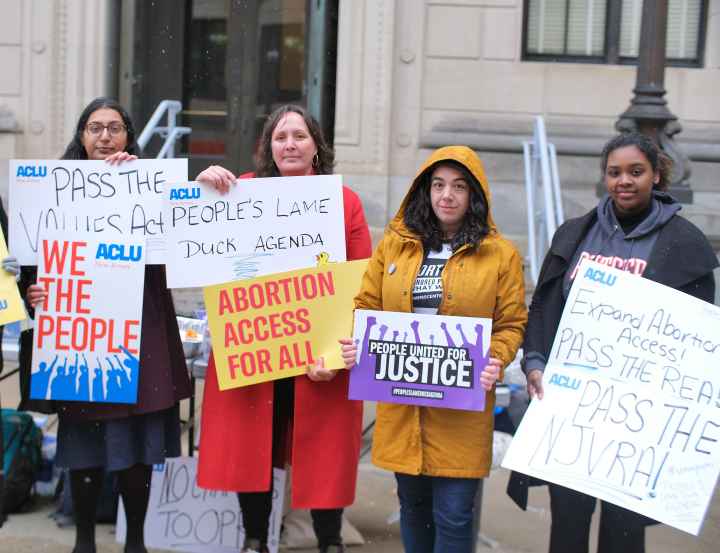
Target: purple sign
(429, 360)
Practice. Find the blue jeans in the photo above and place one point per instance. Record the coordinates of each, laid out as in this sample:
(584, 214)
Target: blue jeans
(436, 513)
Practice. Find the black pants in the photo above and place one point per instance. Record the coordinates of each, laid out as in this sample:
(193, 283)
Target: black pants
(256, 506)
(621, 531)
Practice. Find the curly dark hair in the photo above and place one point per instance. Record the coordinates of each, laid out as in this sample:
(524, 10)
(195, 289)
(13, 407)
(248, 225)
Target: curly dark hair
(420, 218)
(76, 150)
(264, 163)
(658, 160)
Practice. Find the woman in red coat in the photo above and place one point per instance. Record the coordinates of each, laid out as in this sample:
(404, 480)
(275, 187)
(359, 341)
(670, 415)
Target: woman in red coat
(307, 420)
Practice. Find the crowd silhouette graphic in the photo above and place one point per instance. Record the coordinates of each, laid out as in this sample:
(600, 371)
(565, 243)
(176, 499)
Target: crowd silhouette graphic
(68, 378)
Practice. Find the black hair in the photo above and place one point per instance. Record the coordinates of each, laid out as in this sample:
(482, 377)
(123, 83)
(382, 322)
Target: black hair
(76, 150)
(264, 162)
(658, 160)
(420, 218)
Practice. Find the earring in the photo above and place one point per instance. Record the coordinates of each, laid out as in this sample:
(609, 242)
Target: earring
(316, 160)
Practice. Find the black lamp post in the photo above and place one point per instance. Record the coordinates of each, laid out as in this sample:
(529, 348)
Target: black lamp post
(648, 112)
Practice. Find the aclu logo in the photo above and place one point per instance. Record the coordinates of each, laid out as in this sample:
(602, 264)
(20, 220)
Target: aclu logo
(599, 276)
(31, 171)
(116, 252)
(565, 381)
(185, 193)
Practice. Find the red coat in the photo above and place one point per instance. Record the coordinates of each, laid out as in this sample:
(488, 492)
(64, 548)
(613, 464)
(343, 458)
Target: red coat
(236, 425)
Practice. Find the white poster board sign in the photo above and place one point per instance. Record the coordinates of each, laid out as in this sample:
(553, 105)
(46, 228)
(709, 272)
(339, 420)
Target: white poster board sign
(261, 226)
(631, 412)
(183, 517)
(86, 344)
(89, 196)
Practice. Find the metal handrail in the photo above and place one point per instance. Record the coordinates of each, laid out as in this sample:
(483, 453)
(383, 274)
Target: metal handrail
(544, 198)
(171, 133)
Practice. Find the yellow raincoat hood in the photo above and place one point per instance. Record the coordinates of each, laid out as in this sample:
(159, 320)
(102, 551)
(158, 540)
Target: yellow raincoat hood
(459, 154)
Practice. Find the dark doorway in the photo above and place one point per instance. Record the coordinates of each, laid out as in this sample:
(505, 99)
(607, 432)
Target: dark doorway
(232, 62)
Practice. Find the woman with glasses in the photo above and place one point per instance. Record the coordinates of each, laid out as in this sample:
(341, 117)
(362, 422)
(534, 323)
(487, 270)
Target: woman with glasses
(126, 439)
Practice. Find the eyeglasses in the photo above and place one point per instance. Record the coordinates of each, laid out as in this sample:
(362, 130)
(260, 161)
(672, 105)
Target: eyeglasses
(114, 128)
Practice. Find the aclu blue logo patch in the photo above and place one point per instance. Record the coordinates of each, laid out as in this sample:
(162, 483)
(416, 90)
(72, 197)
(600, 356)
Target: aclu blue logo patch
(118, 252)
(185, 193)
(564, 381)
(31, 171)
(599, 276)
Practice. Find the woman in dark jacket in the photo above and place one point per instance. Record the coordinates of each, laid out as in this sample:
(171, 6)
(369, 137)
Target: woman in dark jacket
(123, 438)
(637, 227)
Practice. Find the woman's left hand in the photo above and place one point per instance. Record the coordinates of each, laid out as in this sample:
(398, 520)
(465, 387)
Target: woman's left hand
(318, 372)
(490, 373)
(120, 157)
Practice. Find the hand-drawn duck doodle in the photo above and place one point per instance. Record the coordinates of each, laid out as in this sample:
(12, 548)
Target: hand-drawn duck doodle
(323, 258)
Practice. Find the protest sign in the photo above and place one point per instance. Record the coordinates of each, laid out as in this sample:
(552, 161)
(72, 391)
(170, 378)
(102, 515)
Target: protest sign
(113, 201)
(183, 517)
(430, 360)
(276, 326)
(631, 412)
(87, 331)
(261, 226)
(11, 304)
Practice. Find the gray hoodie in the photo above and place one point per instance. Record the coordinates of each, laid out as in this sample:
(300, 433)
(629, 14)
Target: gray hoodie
(606, 242)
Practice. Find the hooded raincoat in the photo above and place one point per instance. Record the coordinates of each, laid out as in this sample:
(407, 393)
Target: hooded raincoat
(482, 280)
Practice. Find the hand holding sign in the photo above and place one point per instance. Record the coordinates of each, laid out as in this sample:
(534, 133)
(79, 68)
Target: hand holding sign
(318, 372)
(490, 373)
(218, 178)
(348, 350)
(120, 157)
(36, 294)
(534, 384)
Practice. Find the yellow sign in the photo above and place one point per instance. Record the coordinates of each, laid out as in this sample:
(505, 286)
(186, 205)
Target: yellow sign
(11, 305)
(276, 326)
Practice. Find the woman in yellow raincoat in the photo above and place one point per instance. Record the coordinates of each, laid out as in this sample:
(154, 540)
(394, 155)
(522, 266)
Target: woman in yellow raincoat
(440, 454)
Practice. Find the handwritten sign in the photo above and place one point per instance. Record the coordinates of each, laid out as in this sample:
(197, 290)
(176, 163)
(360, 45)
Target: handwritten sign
(631, 412)
(87, 331)
(430, 360)
(262, 226)
(112, 201)
(11, 304)
(275, 327)
(183, 517)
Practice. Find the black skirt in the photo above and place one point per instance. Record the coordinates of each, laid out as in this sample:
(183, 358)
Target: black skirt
(118, 444)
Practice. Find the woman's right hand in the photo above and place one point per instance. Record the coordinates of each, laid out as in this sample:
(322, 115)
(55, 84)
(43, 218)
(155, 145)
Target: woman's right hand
(534, 384)
(218, 177)
(35, 295)
(349, 352)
